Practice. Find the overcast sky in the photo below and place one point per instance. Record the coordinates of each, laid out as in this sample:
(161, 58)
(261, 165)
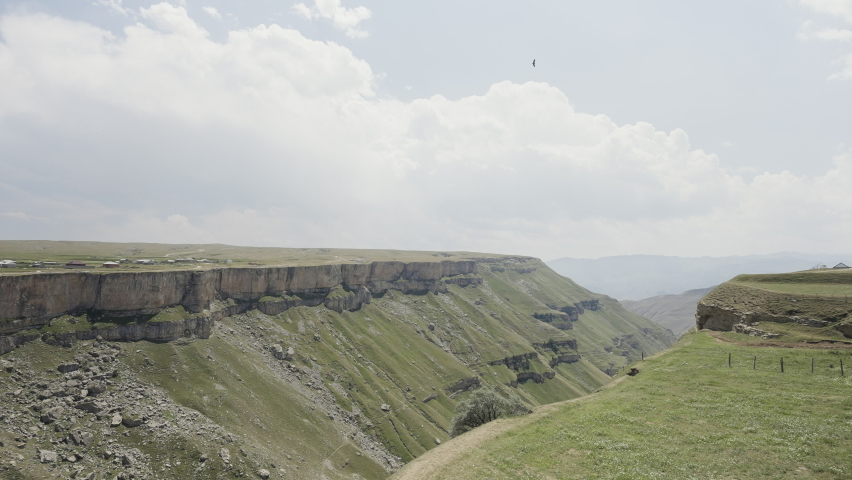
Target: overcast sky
(656, 127)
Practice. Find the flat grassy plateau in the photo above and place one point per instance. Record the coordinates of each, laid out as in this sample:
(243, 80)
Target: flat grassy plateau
(813, 294)
(94, 254)
(685, 416)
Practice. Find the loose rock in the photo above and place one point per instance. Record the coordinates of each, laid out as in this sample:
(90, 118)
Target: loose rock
(47, 456)
(68, 367)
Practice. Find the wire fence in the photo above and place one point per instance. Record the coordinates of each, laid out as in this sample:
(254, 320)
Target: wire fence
(821, 365)
(829, 362)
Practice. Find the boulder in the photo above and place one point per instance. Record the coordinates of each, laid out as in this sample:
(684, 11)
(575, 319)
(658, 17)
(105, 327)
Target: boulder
(385, 407)
(225, 454)
(68, 367)
(7, 365)
(96, 387)
(277, 351)
(115, 420)
(88, 407)
(132, 422)
(47, 456)
(263, 473)
(52, 415)
(81, 438)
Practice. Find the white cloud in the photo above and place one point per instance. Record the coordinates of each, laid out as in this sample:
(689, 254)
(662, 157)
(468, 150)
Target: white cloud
(345, 19)
(171, 19)
(834, 34)
(270, 138)
(807, 32)
(212, 12)
(846, 72)
(114, 5)
(16, 215)
(838, 8)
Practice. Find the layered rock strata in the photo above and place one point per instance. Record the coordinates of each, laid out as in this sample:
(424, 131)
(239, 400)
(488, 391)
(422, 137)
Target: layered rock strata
(32, 301)
(714, 317)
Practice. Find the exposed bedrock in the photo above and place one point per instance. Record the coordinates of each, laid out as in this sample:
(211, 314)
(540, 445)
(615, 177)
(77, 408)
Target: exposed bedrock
(713, 317)
(534, 376)
(44, 296)
(516, 362)
(569, 358)
(32, 301)
(199, 326)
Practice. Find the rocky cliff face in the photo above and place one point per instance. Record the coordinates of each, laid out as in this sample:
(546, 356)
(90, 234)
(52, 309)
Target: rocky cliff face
(32, 301)
(40, 297)
(714, 317)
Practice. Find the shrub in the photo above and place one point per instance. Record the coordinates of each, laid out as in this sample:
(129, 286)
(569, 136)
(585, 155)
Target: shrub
(483, 406)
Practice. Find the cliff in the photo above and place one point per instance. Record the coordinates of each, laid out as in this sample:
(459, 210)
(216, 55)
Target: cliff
(32, 301)
(371, 356)
(39, 297)
(742, 304)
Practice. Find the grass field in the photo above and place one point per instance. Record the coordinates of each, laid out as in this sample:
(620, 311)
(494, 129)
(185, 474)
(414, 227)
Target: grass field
(686, 415)
(95, 253)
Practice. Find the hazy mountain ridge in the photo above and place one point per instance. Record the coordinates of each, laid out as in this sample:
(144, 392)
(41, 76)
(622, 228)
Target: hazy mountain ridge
(635, 277)
(675, 312)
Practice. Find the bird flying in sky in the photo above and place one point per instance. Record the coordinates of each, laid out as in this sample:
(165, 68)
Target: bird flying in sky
(533, 62)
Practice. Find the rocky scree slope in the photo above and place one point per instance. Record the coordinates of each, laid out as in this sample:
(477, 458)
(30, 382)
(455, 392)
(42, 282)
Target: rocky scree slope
(286, 372)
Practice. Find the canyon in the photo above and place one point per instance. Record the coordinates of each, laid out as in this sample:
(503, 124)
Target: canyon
(332, 369)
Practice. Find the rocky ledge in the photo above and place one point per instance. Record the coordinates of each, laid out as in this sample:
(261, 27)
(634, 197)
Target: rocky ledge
(28, 303)
(713, 317)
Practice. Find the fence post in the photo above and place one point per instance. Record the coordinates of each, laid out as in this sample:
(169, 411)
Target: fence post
(754, 365)
(782, 364)
(729, 360)
(643, 355)
(841, 368)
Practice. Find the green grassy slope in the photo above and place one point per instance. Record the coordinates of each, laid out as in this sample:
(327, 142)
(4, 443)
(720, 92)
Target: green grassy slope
(686, 415)
(321, 412)
(815, 294)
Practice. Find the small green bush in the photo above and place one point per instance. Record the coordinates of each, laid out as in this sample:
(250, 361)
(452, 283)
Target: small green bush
(483, 406)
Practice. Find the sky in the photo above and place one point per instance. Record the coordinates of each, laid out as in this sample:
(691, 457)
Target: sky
(654, 127)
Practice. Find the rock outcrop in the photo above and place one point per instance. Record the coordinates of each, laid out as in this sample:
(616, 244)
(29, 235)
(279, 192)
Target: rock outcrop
(28, 302)
(714, 317)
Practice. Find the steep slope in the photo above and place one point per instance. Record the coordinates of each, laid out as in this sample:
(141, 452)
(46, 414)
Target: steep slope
(687, 414)
(675, 312)
(344, 373)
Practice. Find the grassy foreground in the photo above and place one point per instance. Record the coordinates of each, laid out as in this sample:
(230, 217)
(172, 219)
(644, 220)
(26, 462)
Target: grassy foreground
(686, 415)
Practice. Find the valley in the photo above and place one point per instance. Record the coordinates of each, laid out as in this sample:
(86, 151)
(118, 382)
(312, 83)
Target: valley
(328, 370)
(687, 414)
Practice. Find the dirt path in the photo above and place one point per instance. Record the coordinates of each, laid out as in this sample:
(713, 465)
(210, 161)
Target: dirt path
(429, 464)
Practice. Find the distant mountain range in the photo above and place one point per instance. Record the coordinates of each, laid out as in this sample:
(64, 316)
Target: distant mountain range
(675, 312)
(635, 277)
